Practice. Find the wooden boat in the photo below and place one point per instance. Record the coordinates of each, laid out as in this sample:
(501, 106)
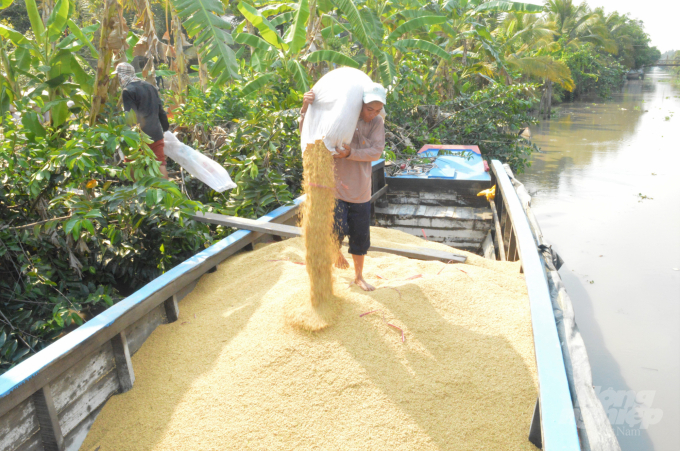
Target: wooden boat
(50, 400)
(438, 199)
(635, 74)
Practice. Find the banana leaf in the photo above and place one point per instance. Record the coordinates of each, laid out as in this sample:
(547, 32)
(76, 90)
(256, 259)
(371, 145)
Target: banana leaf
(387, 69)
(331, 56)
(253, 41)
(202, 21)
(283, 18)
(266, 29)
(297, 33)
(36, 21)
(276, 9)
(257, 84)
(506, 6)
(357, 24)
(82, 38)
(414, 24)
(57, 20)
(420, 44)
(299, 74)
(14, 36)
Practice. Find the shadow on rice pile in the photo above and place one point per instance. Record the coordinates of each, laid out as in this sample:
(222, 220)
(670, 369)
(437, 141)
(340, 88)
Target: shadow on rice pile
(231, 374)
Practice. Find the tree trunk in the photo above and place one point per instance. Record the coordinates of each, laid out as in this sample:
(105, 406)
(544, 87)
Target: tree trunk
(101, 81)
(180, 62)
(311, 32)
(464, 60)
(202, 72)
(546, 100)
(118, 46)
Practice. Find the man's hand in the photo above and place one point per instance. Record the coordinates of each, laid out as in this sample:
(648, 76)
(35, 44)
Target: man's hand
(342, 153)
(307, 100)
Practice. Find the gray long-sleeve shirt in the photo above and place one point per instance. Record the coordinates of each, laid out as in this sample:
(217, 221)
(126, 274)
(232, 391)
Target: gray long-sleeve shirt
(353, 174)
(143, 98)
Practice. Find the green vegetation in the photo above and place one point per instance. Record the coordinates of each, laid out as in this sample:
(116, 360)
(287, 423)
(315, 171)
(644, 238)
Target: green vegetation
(85, 218)
(675, 71)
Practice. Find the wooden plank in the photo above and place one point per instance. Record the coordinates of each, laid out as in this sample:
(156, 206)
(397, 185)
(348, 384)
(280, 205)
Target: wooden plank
(445, 235)
(249, 224)
(379, 193)
(438, 212)
(80, 379)
(18, 426)
(558, 425)
(73, 440)
(377, 165)
(33, 443)
(171, 309)
(121, 354)
(293, 232)
(512, 247)
(499, 234)
(29, 376)
(426, 223)
(488, 249)
(140, 330)
(421, 253)
(181, 294)
(80, 408)
(440, 192)
(535, 428)
(50, 430)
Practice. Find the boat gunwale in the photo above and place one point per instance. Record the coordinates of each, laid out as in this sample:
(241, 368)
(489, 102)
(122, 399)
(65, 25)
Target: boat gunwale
(557, 420)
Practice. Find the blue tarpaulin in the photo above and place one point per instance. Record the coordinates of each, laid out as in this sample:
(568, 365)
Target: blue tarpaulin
(458, 163)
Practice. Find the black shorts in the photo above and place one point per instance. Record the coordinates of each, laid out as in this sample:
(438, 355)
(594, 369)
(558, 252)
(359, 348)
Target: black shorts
(354, 220)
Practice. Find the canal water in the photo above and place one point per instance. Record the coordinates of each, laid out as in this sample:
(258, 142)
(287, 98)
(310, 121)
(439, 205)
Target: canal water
(606, 192)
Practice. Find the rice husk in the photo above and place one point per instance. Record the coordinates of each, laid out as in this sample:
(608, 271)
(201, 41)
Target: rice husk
(232, 374)
(315, 311)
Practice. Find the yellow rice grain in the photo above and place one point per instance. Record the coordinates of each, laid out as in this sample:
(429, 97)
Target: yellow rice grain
(231, 374)
(315, 311)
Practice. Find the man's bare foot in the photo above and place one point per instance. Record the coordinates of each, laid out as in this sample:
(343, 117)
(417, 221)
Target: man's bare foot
(361, 283)
(341, 262)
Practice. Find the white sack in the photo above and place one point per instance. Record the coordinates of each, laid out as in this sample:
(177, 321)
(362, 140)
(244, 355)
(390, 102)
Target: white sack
(203, 168)
(334, 114)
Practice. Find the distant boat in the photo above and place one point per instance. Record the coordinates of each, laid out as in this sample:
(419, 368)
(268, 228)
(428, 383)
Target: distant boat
(635, 74)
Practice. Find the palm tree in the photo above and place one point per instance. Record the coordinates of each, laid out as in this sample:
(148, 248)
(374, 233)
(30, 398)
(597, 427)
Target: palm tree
(575, 24)
(529, 47)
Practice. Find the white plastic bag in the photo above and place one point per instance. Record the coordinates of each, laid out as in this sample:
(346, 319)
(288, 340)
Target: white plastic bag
(334, 114)
(203, 168)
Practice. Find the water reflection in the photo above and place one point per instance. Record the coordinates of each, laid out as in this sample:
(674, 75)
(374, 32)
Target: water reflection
(607, 195)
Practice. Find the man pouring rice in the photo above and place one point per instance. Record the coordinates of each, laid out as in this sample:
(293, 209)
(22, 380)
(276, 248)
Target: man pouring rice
(353, 178)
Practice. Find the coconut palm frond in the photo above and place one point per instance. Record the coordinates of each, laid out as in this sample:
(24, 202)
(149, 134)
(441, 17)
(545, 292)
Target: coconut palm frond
(543, 67)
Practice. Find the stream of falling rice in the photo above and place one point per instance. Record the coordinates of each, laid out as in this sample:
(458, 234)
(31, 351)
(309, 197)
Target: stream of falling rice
(320, 242)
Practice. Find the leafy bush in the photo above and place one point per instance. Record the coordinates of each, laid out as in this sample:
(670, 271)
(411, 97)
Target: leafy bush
(490, 118)
(216, 106)
(80, 227)
(259, 145)
(592, 72)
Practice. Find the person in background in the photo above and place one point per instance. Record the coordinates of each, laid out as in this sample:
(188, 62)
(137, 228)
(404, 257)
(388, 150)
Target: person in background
(353, 178)
(143, 98)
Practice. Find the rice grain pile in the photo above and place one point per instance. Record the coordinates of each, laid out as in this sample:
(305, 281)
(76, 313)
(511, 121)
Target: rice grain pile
(315, 312)
(232, 374)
